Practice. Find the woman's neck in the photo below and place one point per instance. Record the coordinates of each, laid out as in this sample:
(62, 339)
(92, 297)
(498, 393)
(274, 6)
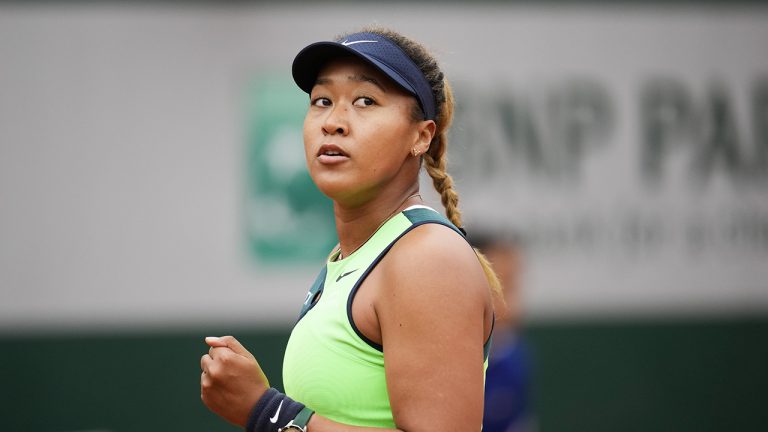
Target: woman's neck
(356, 225)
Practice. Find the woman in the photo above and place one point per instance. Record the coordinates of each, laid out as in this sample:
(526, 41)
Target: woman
(395, 331)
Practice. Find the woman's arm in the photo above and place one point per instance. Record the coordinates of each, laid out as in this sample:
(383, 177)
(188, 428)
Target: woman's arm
(432, 314)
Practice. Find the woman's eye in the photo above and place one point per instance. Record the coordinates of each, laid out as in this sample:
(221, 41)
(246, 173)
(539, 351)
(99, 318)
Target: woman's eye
(321, 102)
(364, 102)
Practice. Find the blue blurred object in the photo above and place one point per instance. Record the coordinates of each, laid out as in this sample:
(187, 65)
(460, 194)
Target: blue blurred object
(507, 386)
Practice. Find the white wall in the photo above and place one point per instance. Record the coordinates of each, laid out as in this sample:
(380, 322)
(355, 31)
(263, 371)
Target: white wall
(121, 157)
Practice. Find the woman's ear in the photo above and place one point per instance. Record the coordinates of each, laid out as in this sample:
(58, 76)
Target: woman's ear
(426, 129)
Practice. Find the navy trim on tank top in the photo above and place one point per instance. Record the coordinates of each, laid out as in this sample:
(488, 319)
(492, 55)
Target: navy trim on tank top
(313, 295)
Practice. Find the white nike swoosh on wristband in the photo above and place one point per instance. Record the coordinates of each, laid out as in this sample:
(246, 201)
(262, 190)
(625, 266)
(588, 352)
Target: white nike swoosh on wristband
(277, 413)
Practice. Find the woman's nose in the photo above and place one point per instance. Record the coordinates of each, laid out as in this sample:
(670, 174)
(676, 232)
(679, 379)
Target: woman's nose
(336, 122)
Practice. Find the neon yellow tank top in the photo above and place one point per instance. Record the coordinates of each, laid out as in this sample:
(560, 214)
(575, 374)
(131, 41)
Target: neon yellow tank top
(329, 365)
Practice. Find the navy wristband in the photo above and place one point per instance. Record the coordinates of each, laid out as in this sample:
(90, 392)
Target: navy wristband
(273, 411)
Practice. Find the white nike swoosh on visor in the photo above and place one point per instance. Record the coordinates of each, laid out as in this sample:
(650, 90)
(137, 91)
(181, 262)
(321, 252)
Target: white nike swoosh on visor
(274, 419)
(345, 43)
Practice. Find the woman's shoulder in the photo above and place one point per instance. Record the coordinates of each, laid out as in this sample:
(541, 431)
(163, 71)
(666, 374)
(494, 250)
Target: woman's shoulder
(436, 240)
(437, 260)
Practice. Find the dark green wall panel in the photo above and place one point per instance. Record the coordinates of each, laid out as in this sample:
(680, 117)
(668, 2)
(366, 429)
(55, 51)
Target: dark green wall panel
(121, 383)
(673, 376)
(702, 376)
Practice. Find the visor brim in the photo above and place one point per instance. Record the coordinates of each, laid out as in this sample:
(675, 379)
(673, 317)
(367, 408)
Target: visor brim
(310, 60)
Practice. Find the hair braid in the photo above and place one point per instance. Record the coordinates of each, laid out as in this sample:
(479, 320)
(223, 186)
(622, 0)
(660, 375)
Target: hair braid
(435, 157)
(436, 160)
(436, 163)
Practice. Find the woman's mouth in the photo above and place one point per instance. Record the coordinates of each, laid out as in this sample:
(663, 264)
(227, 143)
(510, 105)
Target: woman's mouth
(330, 154)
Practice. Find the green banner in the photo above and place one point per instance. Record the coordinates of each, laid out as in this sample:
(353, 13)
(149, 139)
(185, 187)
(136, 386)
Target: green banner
(287, 218)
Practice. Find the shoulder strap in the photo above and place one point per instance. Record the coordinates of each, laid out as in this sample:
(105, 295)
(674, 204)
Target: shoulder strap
(313, 293)
(421, 215)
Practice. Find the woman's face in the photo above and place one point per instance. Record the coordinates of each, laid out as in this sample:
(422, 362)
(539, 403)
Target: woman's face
(359, 133)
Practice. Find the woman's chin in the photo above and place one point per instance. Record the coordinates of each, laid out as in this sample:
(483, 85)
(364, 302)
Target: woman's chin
(334, 187)
(345, 192)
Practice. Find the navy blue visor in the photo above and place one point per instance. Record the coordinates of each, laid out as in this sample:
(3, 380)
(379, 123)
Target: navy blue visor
(376, 50)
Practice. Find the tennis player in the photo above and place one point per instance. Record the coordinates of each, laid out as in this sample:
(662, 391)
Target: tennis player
(395, 331)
